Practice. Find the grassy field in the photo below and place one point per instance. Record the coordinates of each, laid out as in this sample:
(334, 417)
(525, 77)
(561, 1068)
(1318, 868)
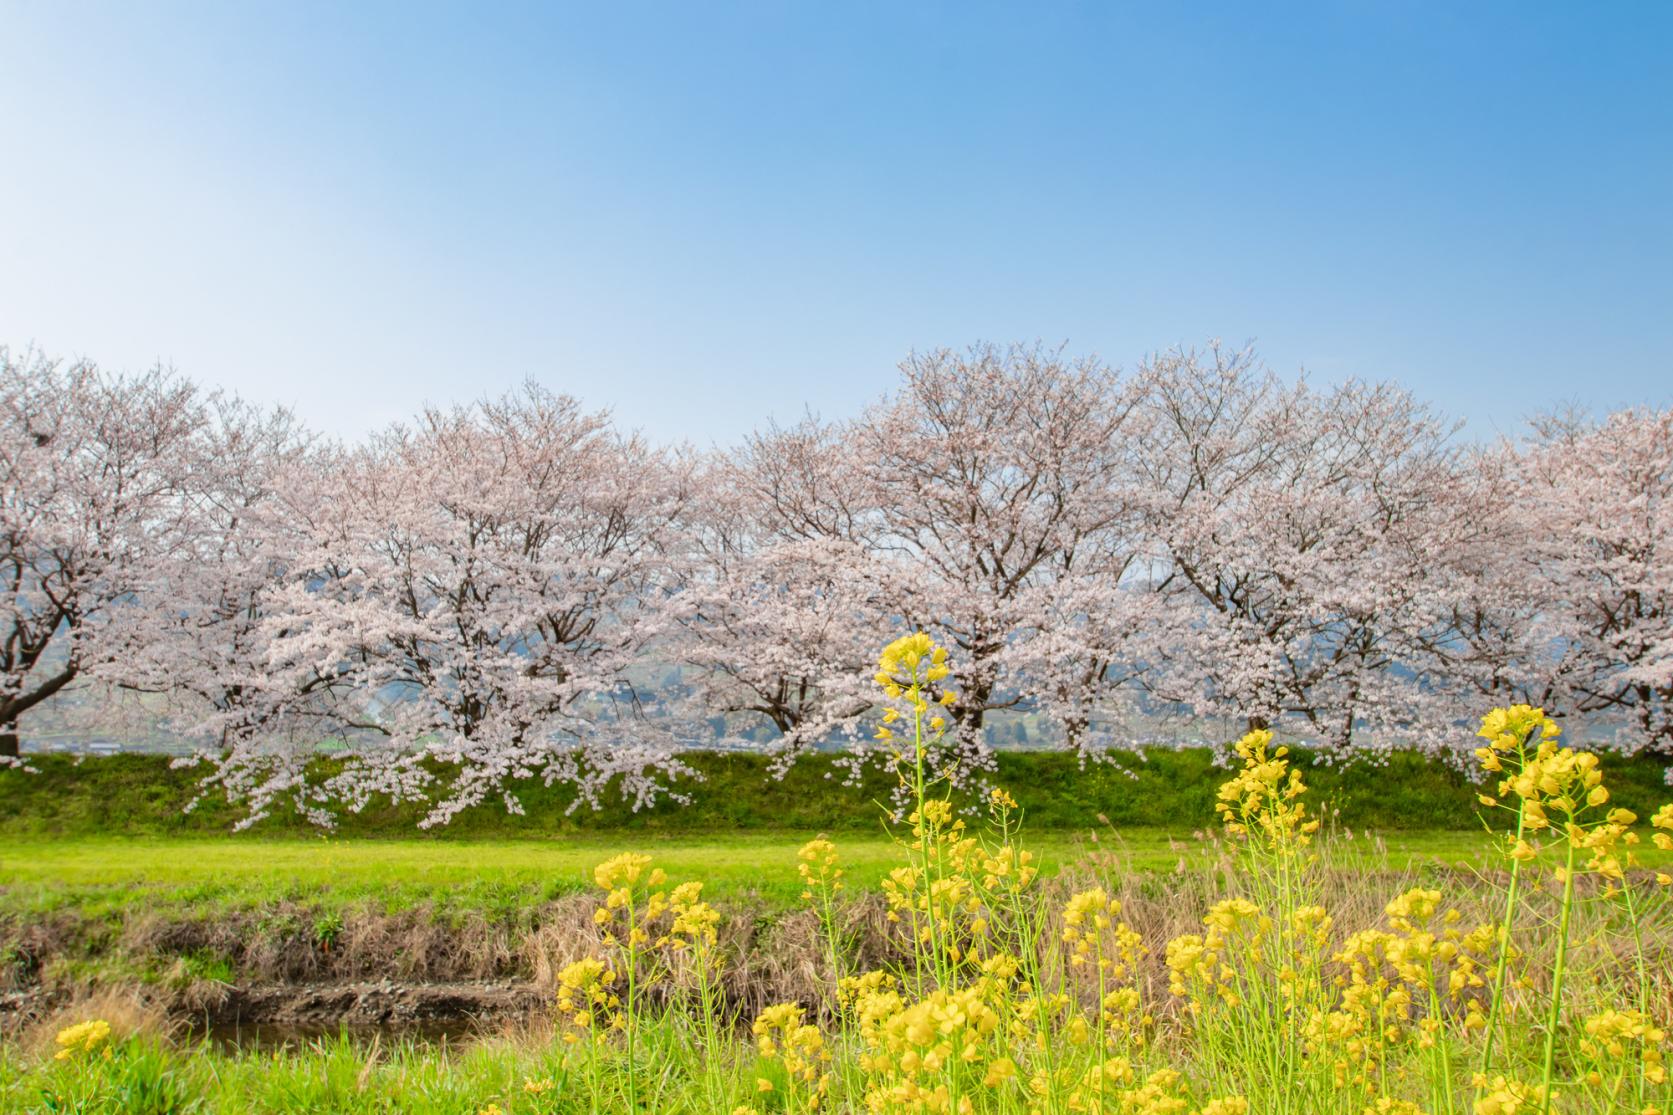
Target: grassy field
(168, 910)
(40, 874)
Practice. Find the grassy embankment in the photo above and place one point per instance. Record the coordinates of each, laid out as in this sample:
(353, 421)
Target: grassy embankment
(140, 795)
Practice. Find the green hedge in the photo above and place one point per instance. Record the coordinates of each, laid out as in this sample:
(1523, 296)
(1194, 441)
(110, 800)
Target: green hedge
(141, 795)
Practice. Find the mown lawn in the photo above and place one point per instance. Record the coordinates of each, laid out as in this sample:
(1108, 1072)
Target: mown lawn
(237, 871)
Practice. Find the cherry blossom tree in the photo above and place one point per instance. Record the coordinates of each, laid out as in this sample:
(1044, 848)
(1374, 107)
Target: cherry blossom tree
(1294, 532)
(994, 476)
(1604, 542)
(92, 470)
(201, 626)
(1493, 642)
(1557, 589)
(803, 482)
(504, 590)
(987, 500)
(489, 579)
(781, 606)
(1572, 605)
(1081, 664)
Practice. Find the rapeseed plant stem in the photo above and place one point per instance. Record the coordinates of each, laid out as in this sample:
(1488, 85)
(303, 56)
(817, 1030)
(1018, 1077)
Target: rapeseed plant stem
(1559, 969)
(1509, 732)
(1641, 971)
(1501, 967)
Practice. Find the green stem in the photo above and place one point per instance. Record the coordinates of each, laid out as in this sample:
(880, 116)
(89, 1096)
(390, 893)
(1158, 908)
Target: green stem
(711, 1031)
(632, 966)
(593, 1088)
(1643, 975)
(920, 787)
(1500, 970)
(1443, 1051)
(1555, 1013)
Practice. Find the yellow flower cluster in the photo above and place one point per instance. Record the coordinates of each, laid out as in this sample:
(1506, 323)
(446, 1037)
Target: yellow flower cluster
(1553, 777)
(1197, 963)
(1451, 960)
(623, 872)
(1557, 788)
(1113, 1087)
(819, 869)
(909, 668)
(781, 1032)
(1007, 869)
(910, 661)
(1388, 1105)
(1504, 1096)
(695, 921)
(1111, 950)
(926, 1056)
(83, 1037)
(1426, 959)
(643, 919)
(855, 991)
(1543, 774)
(1085, 917)
(1263, 797)
(1616, 1038)
(1514, 728)
(587, 998)
(1371, 1014)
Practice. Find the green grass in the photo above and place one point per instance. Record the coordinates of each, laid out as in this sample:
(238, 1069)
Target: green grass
(95, 874)
(107, 897)
(328, 1077)
(747, 864)
(340, 1076)
(139, 795)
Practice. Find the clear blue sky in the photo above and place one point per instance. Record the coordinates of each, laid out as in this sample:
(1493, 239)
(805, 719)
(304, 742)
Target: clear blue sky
(701, 215)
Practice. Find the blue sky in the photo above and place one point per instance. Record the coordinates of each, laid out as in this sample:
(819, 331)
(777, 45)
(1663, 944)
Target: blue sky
(702, 215)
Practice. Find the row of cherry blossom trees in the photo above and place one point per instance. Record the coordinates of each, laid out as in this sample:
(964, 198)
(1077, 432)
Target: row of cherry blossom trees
(517, 588)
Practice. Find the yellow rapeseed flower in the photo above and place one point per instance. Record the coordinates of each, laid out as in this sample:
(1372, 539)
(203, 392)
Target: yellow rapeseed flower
(622, 870)
(1263, 797)
(1504, 1096)
(83, 1037)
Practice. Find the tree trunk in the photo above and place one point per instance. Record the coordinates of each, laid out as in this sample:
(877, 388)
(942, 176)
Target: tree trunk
(968, 715)
(8, 741)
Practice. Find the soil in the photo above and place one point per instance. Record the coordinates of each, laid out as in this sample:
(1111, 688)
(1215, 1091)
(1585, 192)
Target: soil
(386, 1004)
(274, 1014)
